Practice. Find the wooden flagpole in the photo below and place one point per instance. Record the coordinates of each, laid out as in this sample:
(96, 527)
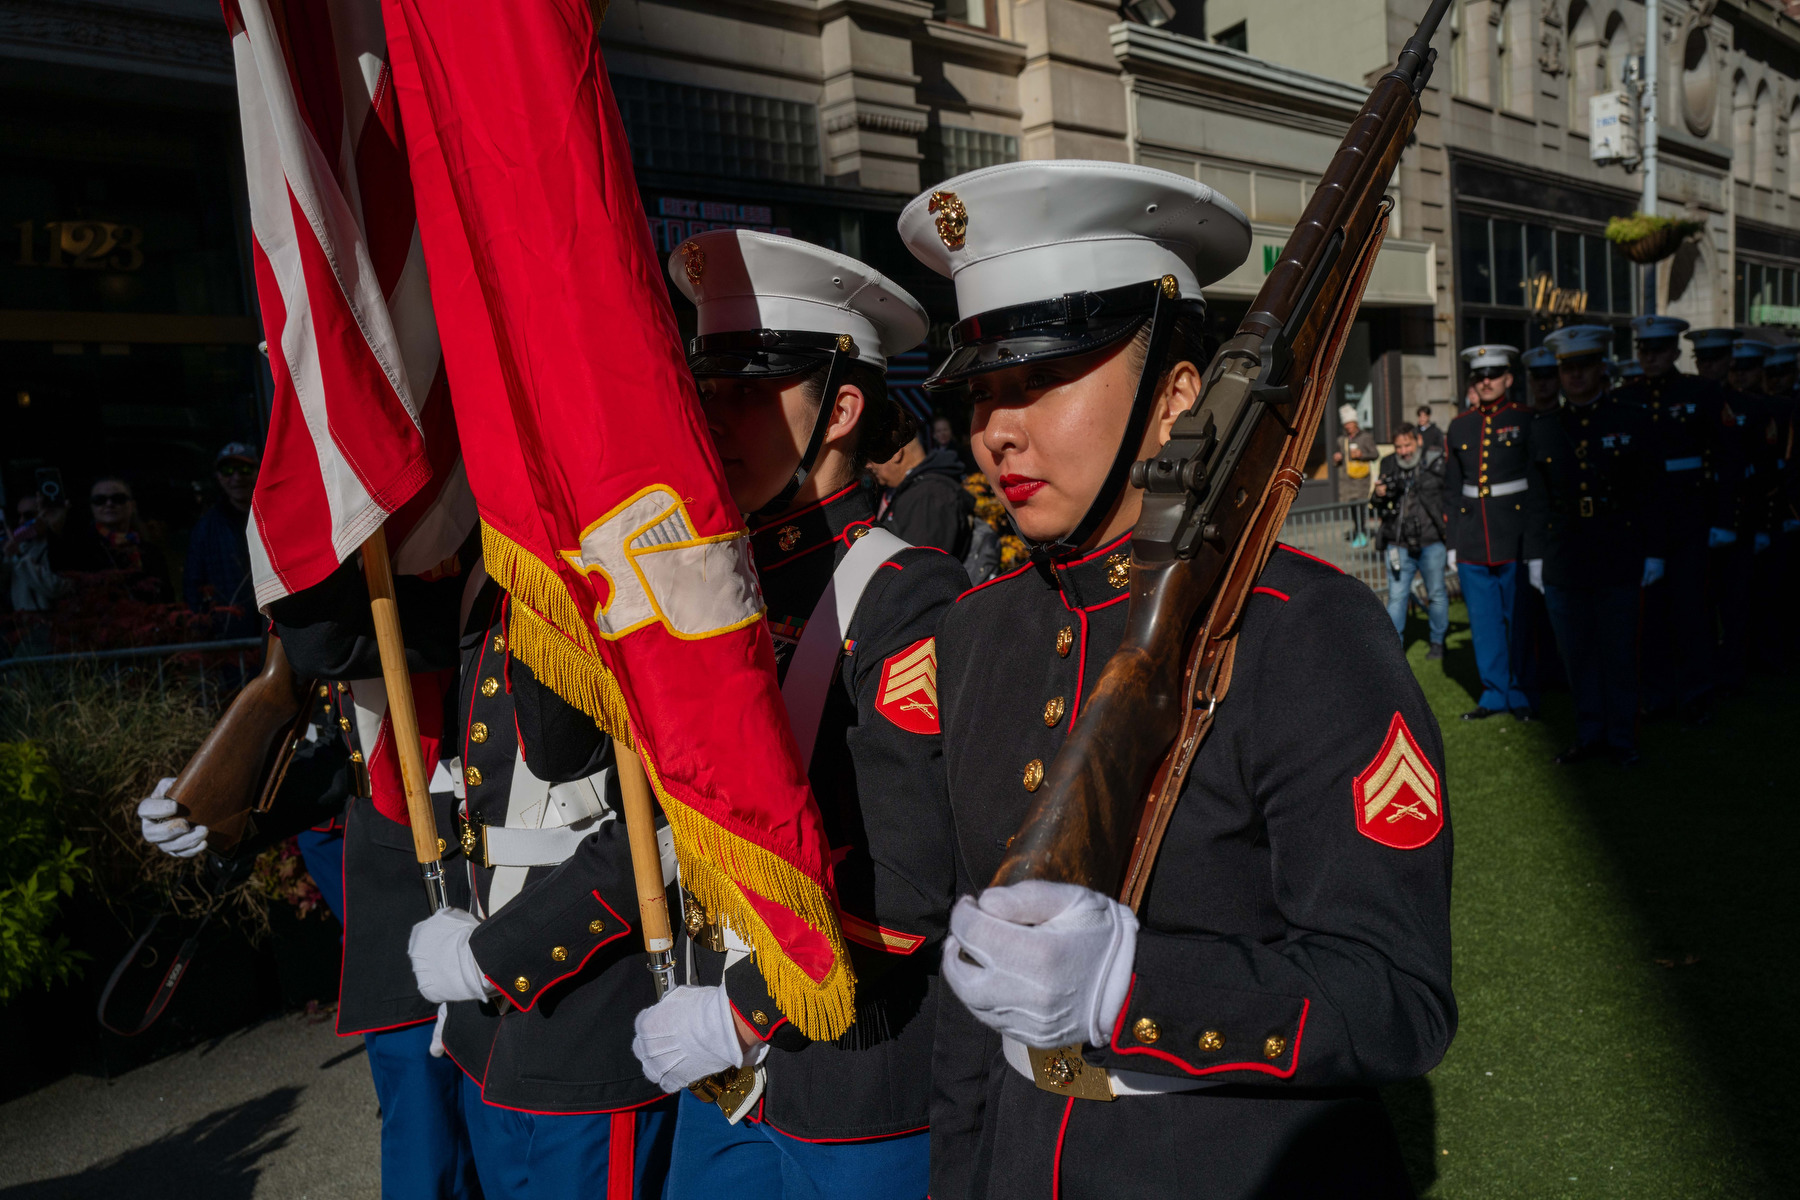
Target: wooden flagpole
(646, 869)
(380, 575)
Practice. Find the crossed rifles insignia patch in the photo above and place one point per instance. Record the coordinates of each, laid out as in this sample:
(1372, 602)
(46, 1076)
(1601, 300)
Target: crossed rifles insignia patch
(1399, 798)
(908, 695)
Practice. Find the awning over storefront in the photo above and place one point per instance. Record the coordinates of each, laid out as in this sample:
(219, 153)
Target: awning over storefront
(1405, 274)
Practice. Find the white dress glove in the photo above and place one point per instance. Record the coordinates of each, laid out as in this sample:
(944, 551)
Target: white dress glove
(1534, 571)
(1716, 537)
(442, 962)
(687, 1035)
(1051, 961)
(1450, 559)
(1653, 570)
(166, 831)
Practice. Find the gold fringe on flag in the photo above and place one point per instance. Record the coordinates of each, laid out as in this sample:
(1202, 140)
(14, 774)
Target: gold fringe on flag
(548, 634)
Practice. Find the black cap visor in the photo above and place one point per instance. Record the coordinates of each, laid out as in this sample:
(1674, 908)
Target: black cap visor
(760, 353)
(1064, 327)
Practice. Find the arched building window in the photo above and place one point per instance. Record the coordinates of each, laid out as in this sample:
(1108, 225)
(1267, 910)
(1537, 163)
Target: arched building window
(1587, 64)
(1618, 52)
(1743, 130)
(1763, 135)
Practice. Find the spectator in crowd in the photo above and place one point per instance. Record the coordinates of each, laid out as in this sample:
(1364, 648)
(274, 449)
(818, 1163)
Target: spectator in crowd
(943, 436)
(1409, 499)
(925, 503)
(1430, 436)
(1355, 458)
(216, 578)
(114, 541)
(32, 583)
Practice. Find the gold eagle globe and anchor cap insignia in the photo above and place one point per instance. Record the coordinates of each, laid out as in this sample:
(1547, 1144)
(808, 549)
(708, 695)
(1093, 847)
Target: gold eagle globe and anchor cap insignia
(693, 262)
(952, 218)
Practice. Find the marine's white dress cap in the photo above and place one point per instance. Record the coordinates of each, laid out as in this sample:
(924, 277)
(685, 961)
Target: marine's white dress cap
(1538, 358)
(1719, 338)
(744, 282)
(1579, 341)
(1489, 354)
(1657, 326)
(1063, 256)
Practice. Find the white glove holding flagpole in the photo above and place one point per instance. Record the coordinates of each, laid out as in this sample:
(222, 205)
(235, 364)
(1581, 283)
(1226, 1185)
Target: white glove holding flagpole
(689, 1034)
(442, 962)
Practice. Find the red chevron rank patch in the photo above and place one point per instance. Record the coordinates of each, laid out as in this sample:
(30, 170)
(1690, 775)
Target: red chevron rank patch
(1399, 798)
(908, 695)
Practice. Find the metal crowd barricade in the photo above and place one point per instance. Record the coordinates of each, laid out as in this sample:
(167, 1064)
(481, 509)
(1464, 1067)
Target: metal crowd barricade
(1328, 531)
(216, 669)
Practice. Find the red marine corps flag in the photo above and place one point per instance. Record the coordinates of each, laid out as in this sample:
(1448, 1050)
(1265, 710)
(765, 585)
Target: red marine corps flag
(603, 505)
(360, 431)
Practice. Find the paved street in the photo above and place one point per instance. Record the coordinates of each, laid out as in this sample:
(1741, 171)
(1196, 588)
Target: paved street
(281, 1111)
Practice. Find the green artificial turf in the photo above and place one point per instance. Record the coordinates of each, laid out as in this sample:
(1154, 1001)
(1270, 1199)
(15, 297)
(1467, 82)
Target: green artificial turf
(1624, 957)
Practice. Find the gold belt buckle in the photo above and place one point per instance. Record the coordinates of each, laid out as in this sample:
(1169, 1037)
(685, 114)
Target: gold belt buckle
(734, 1090)
(1587, 506)
(1066, 1073)
(472, 837)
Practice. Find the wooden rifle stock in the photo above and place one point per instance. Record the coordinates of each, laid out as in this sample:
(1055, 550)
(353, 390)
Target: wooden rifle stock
(238, 767)
(1215, 499)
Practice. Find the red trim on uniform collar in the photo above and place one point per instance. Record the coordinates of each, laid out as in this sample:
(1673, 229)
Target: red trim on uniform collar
(1269, 591)
(800, 512)
(1065, 564)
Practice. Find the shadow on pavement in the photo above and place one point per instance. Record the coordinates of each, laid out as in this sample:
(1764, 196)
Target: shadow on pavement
(218, 1157)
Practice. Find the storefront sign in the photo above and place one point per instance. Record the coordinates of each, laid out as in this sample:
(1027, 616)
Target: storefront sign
(1775, 314)
(677, 218)
(1544, 298)
(80, 245)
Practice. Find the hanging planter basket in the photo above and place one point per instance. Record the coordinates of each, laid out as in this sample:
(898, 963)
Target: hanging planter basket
(1650, 239)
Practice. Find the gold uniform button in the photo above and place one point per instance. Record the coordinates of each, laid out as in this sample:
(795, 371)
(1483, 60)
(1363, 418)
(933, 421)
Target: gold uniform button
(442, 846)
(344, 724)
(324, 691)
(343, 687)
(1034, 774)
(1065, 640)
(472, 776)
(559, 953)
(522, 984)
(759, 1016)
(1053, 711)
(478, 732)
(1212, 1041)
(489, 686)
(356, 756)
(596, 926)
(862, 531)
(1145, 1030)
(1274, 1046)
(499, 643)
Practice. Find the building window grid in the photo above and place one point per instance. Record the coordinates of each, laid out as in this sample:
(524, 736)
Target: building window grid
(961, 150)
(1763, 284)
(1494, 293)
(706, 131)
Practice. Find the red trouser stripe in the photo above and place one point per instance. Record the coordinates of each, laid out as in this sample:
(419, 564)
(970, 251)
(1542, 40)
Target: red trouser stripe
(621, 1156)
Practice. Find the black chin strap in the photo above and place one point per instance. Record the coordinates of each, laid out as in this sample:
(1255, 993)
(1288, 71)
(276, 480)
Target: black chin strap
(834, 373)
(1162, 328)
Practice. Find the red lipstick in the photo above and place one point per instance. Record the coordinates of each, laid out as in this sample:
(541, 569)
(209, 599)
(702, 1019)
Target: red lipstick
(1020, 488)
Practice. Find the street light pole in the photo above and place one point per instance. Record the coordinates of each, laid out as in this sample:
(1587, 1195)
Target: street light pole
(1652, 37)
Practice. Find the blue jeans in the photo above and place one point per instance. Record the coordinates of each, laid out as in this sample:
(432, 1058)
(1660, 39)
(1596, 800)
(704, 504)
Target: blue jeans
(425, 1152)
(752, 1161)
(1429, 562)
(560, 1156)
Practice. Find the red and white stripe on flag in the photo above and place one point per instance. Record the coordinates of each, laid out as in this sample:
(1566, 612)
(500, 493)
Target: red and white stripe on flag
(360, 430)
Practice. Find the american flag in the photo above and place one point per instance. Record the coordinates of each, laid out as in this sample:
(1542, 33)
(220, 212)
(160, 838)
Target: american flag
(360, 431)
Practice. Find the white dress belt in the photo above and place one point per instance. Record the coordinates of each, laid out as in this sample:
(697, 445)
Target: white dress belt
(1509, 488)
